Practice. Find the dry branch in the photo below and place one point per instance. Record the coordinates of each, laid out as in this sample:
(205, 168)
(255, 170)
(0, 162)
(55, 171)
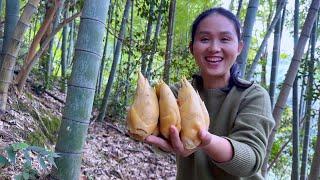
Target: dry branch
(21, 79)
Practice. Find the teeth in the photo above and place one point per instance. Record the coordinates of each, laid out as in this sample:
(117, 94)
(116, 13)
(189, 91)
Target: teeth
(213, 59)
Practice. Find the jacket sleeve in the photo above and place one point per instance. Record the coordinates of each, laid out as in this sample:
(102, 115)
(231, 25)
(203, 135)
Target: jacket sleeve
(250, 132)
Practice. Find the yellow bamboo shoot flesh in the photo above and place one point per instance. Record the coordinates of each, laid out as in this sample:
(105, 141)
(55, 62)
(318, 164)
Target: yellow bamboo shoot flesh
(194, 115)
(169, 109)
(142, 118)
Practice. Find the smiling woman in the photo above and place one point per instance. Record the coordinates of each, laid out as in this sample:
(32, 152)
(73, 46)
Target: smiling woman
(240, 112)
(215, 47)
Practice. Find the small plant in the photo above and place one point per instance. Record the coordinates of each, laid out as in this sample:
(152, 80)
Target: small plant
(45, 158)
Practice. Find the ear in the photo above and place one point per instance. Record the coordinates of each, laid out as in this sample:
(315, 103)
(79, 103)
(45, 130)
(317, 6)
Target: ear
(240, 46)
(191, 48)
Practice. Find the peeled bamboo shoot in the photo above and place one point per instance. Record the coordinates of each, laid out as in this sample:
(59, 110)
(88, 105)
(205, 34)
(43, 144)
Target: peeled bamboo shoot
(194, 115)
(169, 109)
(143, 115)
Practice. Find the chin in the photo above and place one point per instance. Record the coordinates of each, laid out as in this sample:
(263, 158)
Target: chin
(215, 73)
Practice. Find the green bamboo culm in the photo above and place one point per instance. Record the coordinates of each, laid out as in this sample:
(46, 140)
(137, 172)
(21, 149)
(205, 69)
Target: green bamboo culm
(81, 89)
(12, 8)
(10, 55)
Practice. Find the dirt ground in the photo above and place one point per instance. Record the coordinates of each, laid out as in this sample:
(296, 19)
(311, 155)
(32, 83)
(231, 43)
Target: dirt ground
(108, 153)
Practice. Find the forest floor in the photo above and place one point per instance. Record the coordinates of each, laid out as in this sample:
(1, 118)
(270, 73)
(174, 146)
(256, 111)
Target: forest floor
(108, 153)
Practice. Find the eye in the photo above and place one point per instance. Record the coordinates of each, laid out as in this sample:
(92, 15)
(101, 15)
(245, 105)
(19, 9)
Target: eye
(204, 39)
(225, 39)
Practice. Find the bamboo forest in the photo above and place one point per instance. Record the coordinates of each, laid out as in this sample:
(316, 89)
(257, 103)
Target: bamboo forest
(71, 72)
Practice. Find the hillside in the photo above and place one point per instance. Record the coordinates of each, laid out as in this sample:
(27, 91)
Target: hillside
(109, 153)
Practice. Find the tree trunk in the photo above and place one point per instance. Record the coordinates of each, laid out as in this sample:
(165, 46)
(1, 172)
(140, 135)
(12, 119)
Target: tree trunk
(291, 74)
(315, 165)
(0, 9)
(306, 140)
(115, 20)
(169, 47)
(155, 39)
(263, 81)
(146, 50)
(117, 89)
(71, 37)
(100, 76)
(105, 50)
(309, 97)
(48, 30)
(295, 106)
(36, 41)
(265, 54)
(239, 8)
(64, 53)
(10, 57)
(43, 47)
(50, 50)
(11, 19)
(1, 31)
(81, 88)
(247, 33)
(71, 42)
(304, 78)
(127, 85)
(302, 102)
(103, 108)
(275, 59)
(265, 39)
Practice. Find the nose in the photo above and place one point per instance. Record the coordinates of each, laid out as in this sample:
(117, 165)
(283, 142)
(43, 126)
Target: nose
(214, 47)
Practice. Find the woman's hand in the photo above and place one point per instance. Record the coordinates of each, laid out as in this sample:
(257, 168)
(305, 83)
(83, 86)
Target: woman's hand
(175, 144)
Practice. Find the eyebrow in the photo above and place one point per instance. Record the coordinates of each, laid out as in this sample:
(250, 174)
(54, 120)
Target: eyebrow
(223, 32)
(204, 32)
(226, 32)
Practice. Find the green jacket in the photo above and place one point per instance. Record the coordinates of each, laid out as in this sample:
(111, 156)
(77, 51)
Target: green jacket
(244, 117)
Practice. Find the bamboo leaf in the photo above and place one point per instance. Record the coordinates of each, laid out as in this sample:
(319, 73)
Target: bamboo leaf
(51, 161)
(27, 157)
(25, 175)
(43, 164)
(54, 155)
(19, 146)
(36, 149)
(11, 154)
(3, 161)
(18, 177)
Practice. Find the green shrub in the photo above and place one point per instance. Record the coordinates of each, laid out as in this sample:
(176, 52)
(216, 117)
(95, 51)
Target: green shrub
(45, 158)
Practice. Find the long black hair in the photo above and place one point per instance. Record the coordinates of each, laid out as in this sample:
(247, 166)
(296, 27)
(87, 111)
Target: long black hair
(234, 71)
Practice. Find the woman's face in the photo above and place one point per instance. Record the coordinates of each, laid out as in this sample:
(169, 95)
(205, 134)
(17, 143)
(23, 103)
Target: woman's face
(215, 47)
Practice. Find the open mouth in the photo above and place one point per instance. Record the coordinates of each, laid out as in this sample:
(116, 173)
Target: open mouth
(213, 60)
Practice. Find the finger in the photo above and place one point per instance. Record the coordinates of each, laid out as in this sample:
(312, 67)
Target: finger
(159, 142)
(176, 143)
(205, 137)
